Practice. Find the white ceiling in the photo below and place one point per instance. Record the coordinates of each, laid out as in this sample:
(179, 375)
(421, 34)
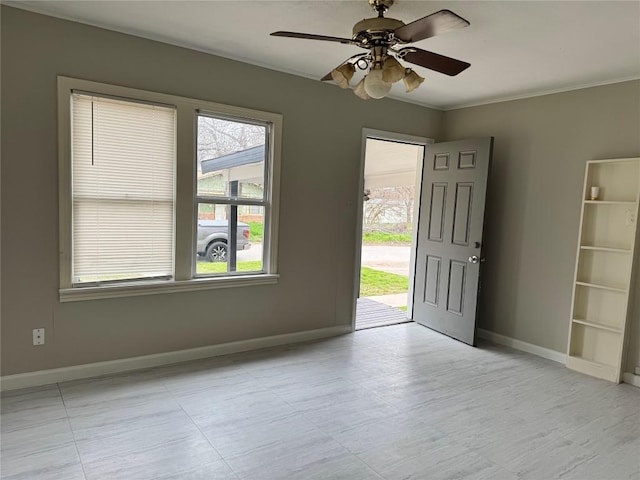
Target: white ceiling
(516, 48)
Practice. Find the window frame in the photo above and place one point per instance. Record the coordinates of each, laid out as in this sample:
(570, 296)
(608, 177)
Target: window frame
(238, 201)
(186, 200)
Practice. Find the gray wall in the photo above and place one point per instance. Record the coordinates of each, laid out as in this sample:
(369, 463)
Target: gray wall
(534, 201)
(319, 197)
(541, 147)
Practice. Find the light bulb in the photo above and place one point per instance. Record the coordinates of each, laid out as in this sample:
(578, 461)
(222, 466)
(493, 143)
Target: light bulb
(374, 85)
(359, 90)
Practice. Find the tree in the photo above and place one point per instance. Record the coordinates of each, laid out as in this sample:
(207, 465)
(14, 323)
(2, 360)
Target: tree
(388, 207)
(218, 137)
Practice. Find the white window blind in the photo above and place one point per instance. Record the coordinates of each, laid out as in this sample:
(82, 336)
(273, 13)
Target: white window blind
(123, 164)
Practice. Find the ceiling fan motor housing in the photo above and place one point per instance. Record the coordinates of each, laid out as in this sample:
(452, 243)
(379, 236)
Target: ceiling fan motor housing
(372, 31)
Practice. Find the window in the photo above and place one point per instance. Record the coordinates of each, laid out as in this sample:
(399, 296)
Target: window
(230, 195)
(161, 193)
(123, 164)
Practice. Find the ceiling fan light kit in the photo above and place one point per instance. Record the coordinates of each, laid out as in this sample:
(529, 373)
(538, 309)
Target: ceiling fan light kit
(360, 91)
(380, 36)
(392, 70)
(343, 74)
(374, 85)
(412, 80)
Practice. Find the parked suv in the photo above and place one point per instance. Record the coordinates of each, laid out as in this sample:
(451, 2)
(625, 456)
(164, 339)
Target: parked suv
(213, 239)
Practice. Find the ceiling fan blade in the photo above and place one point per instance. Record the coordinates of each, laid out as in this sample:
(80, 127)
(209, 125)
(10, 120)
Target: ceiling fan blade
(433, 61)
(309, 36)
(430, 26)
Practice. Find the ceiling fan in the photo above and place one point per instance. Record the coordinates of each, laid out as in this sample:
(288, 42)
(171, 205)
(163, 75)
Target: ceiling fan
(383, 37)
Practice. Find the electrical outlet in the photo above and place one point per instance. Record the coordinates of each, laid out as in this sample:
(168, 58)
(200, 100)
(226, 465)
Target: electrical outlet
(629, 218)
(38, 336)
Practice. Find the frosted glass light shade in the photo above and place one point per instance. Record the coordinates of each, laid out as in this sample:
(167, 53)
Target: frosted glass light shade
(392, 70)
(374, 85)
(412, 80)
(343, 74)
(360, 91)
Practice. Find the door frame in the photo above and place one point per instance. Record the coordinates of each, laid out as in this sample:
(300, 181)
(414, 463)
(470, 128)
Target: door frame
(398, 138)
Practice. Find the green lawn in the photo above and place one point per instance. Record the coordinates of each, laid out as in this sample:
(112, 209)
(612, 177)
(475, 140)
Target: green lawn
(374, 282)
(382, 238)
(255, 231)
(221, 267)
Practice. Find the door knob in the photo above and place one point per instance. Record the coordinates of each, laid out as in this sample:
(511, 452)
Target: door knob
(475, 259)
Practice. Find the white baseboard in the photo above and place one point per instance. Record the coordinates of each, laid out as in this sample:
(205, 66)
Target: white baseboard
(45, 377)
(523, 346)
(559, 357)
(631, 379)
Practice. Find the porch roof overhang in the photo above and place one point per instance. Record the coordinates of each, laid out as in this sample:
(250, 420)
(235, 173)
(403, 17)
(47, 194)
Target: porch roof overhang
(391, 164)
(245, 165)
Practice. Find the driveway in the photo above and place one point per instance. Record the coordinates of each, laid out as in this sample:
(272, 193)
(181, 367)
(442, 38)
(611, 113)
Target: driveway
(254, 253)
(391, 258)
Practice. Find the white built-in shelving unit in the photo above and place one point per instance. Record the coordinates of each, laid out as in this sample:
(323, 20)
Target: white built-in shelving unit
(604, 268)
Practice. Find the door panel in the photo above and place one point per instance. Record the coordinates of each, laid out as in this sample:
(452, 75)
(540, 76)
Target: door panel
(467, 159)
(462, 214)
(450, 229)
(441, 161)
(455, 293)
(437, 211)
(432, 280)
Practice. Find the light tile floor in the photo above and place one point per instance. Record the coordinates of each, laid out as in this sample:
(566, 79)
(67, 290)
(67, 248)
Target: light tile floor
(398, 402)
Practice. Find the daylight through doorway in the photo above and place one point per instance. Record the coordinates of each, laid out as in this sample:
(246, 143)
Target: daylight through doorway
(388, 219)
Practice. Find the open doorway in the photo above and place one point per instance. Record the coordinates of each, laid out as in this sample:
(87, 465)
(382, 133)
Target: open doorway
(392, 166)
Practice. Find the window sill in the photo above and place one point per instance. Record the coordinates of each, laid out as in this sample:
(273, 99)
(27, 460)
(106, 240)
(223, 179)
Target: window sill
(134, 290)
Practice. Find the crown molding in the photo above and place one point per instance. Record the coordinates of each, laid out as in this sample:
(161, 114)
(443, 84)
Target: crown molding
(542, 93)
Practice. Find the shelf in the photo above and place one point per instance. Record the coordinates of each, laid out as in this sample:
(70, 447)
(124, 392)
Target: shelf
(597, 325)
(600, 310)
(609, 202)
(602, 287)
(609, 227)
(595, 369)
(591, 362)
(605, 249)
(604, 269)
